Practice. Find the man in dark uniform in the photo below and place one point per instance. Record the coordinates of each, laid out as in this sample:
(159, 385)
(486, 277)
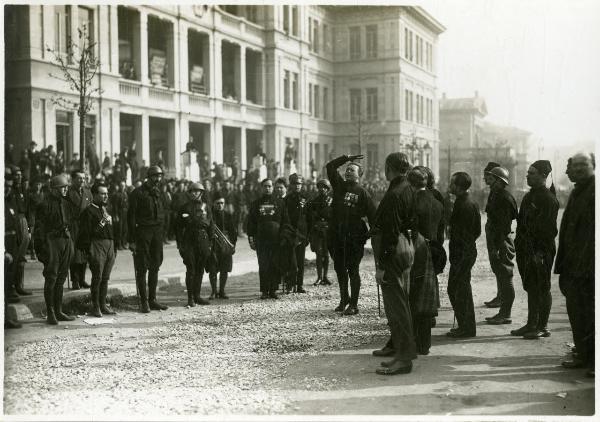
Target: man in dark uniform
(319, 215)
(96, 239)
(575, 259)
(296, 202)
(465, 228)
(266, 220)
(534, 244)
(501, 210)
(223, 261)
(117, 201)
(11, 248)
(195, 233)
(348, 231)
(391, 230)
(20, 202)
(145, 221)
(80, 198)
(489, 179)
(54, 246)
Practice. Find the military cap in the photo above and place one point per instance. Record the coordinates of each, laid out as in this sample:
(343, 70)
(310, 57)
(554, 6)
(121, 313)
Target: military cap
(154, 170)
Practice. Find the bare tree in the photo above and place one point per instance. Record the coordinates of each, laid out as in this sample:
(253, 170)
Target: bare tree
(78, 68)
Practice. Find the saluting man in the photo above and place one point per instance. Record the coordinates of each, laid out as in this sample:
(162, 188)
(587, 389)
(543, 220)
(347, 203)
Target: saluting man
(296, 204)
(534, 244)
(348, 232)
(266, 220)
(145, 221)
(96, 238)
(195, 232)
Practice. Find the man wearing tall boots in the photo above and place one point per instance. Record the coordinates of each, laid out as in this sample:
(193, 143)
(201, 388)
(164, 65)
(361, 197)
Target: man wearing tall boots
(11, 248)
(489, 179)
(194, 230)
(575, 259)
(79, 197)
(348, 231)
(501, 210)
(96, 238)
(393, 260)
(319, 215)
(20, 201)
(465, 228)
(267, 218)
(54, 246)
(534, 244)
(296, 204)
(145, 221)
(222, 260)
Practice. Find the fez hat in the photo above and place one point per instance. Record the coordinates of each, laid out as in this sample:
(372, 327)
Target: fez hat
(543, 166)
(490, 166)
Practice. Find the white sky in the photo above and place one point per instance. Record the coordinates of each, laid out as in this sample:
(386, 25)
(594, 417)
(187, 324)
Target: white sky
(536, 63)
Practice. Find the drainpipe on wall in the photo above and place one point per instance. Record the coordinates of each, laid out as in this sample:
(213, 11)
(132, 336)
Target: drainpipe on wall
(100, 85)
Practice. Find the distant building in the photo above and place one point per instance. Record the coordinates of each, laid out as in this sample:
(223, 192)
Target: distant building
(296, 83)
(468, 142)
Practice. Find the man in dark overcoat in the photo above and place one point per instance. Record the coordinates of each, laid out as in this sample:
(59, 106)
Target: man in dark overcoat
(575, 259)
(222, 260)
(296, 203)
(534, 244)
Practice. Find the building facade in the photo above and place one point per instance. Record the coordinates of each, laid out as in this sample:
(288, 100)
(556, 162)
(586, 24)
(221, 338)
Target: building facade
(296, 83)
(468, 142)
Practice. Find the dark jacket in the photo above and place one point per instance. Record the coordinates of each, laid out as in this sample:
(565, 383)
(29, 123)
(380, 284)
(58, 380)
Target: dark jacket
(145, 209)
(296, 204)
(266, 219)
(430, 215)
(225, 221)
(319, 211)
(351, 202)
(465, 228)
(394, 216)
(501, 210)
(576, 241)
(79, 201)
(52, 220)
(94, 224)
(194, 226)
(536, 224)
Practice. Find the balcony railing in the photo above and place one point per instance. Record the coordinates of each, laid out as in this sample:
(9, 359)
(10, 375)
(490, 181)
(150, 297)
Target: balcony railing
(160, 94)
(128, 88)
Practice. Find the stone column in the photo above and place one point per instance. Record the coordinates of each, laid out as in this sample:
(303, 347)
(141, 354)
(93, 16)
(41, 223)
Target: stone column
(144, 47)
(145, 152)
(242, 74)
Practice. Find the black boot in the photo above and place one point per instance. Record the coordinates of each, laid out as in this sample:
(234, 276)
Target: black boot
(212, 277)
(141, 285)
(73, 270)
(104, 308)
(58, 298)
(222, 283)
(190, 290)
(197, 287)
(49, 299)
(152, 284)
(19, 281)
(95, 293)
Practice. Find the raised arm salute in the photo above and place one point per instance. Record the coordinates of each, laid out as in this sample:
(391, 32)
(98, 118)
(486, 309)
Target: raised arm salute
(348, 231)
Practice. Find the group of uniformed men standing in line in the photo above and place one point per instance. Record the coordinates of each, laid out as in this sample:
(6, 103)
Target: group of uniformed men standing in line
(407, 231)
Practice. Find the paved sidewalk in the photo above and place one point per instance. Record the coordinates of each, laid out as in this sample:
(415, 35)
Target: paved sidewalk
(122, 282)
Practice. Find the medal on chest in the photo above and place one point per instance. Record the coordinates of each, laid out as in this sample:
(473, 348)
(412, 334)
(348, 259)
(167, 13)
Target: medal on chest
(266, 209)
(350, 199)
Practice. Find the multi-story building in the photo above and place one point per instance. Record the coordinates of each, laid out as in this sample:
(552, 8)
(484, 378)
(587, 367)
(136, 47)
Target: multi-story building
(468, 142)
(284, 80)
